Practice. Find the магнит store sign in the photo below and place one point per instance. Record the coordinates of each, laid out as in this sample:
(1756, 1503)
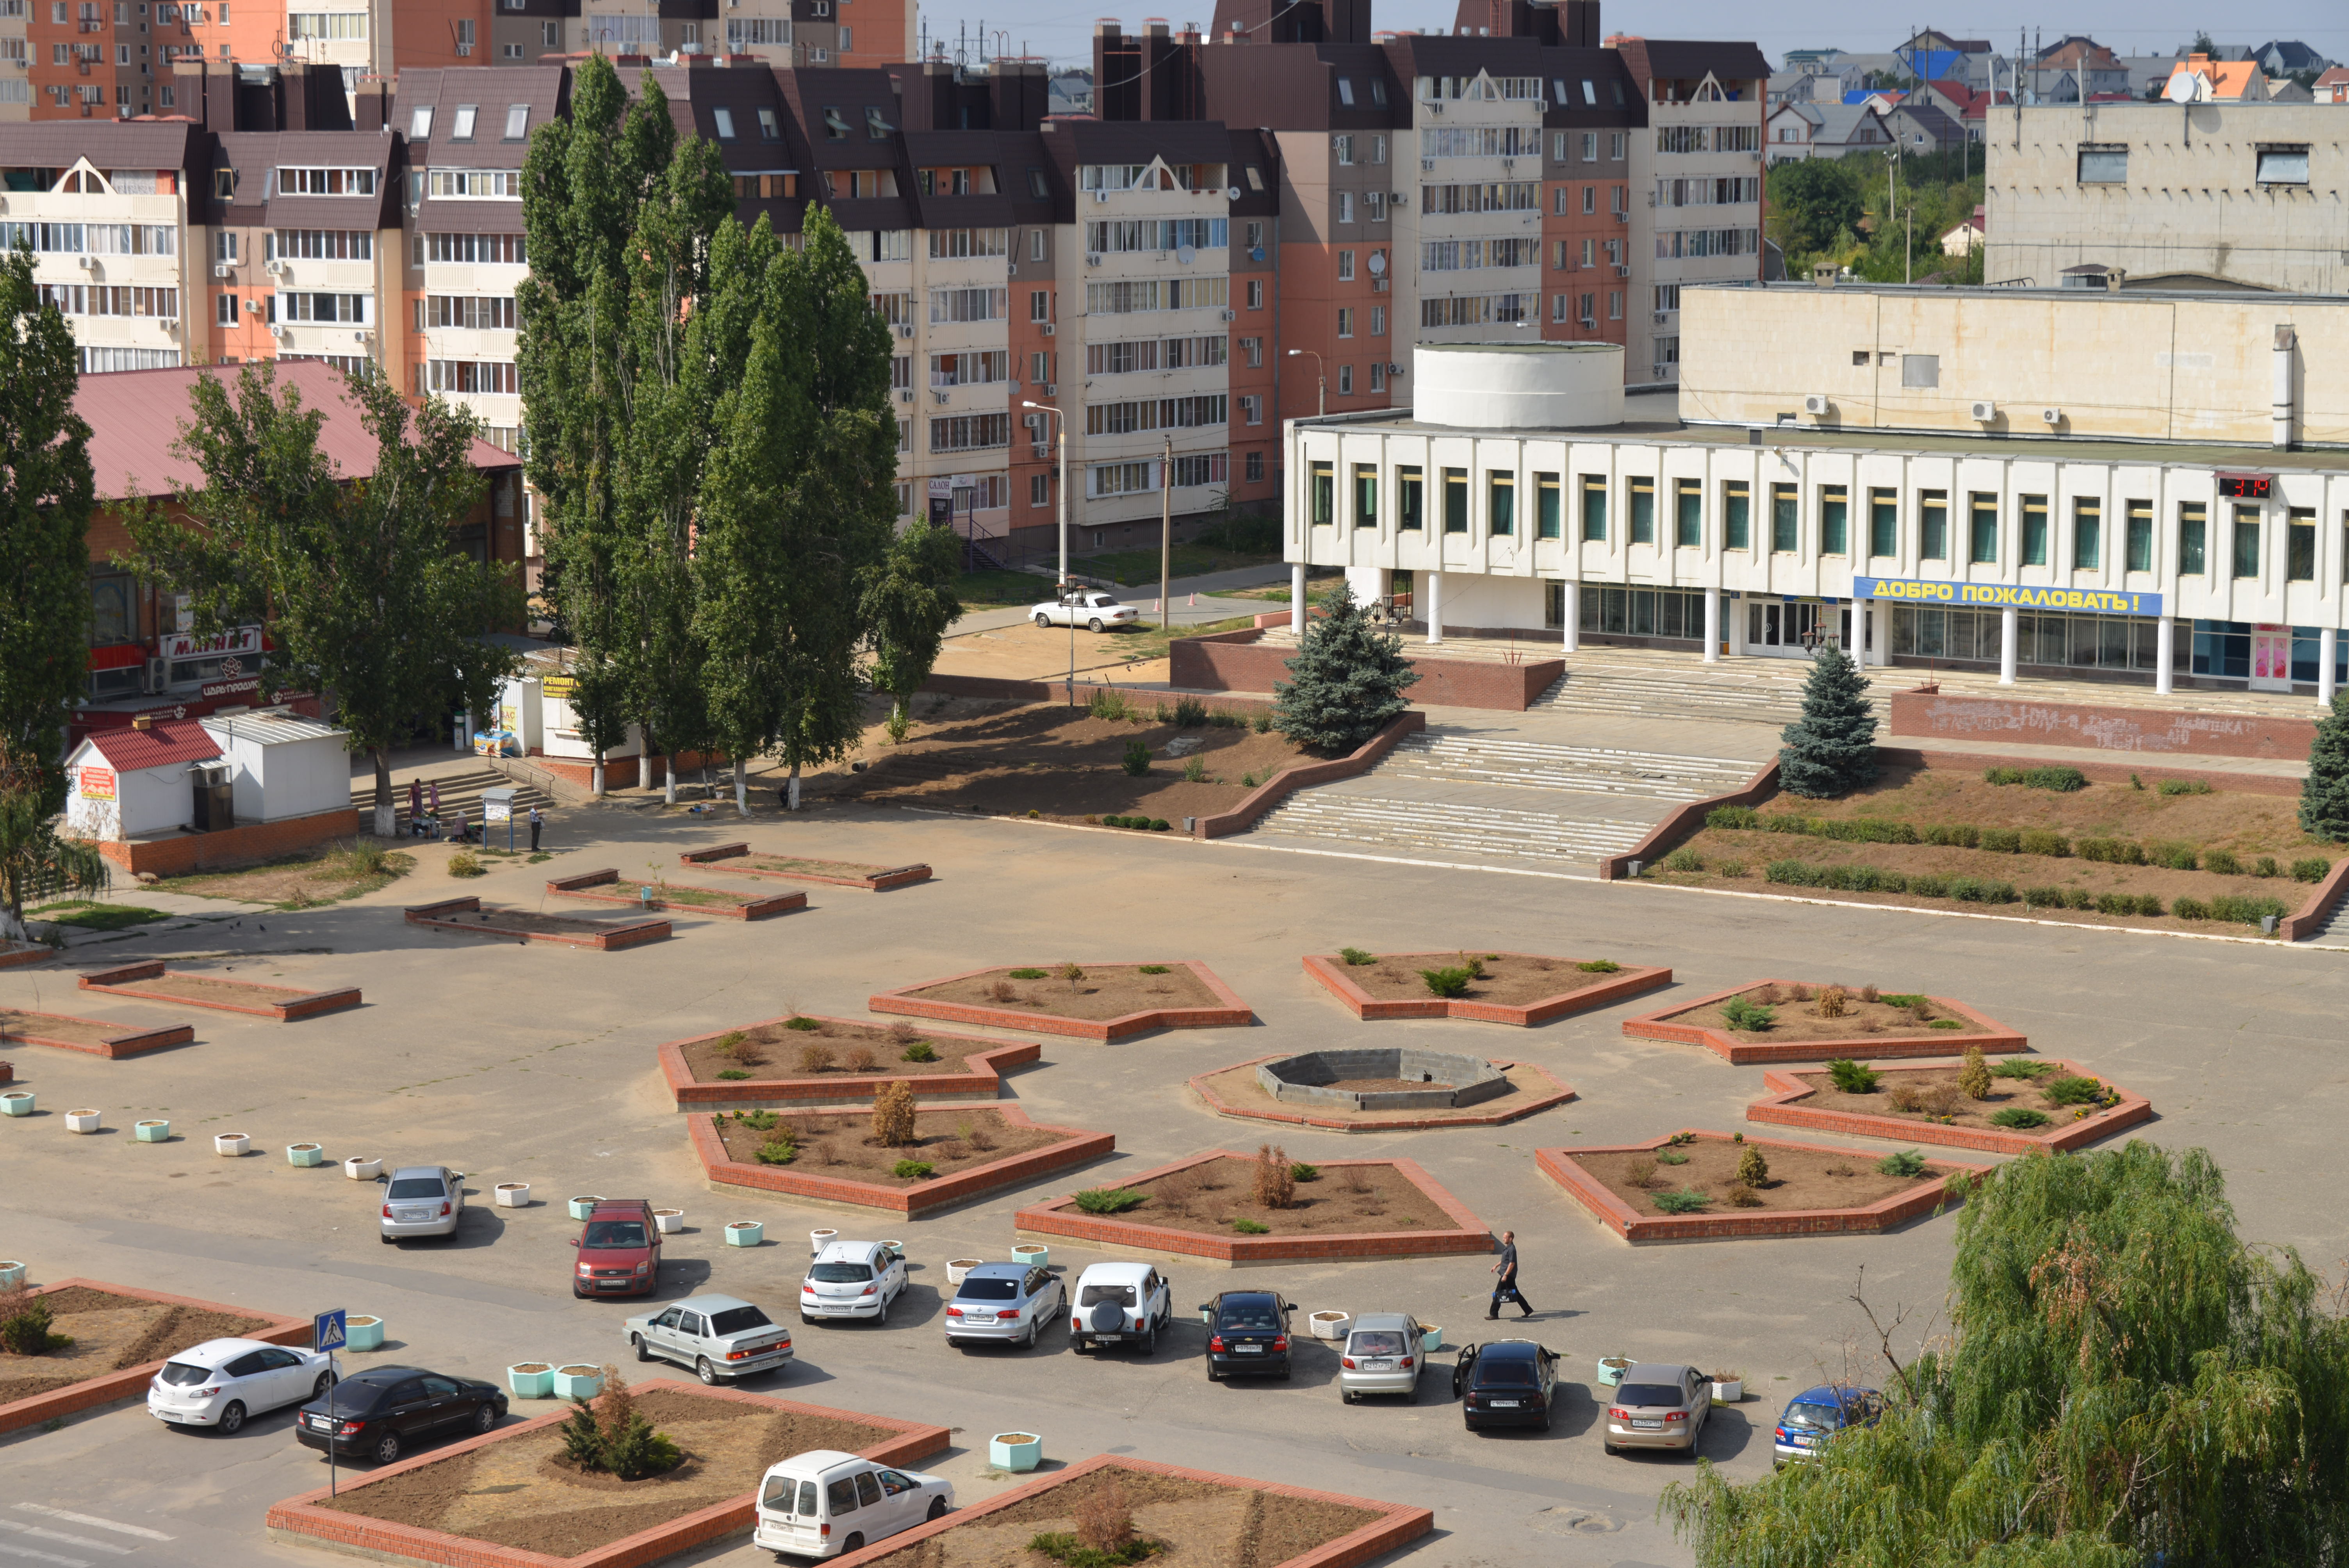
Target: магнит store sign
(188, 645)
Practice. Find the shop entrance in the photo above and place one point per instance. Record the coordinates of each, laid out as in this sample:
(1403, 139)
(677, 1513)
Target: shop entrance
(1782, 630)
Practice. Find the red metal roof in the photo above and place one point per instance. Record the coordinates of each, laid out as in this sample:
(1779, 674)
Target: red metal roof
(171, 740)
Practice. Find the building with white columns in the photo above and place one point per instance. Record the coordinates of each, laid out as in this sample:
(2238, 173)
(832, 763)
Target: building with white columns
(2140, 488)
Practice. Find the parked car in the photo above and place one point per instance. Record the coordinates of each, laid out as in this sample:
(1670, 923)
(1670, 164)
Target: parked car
(619, 1250)
(824, 1503)
(1009, 1302)
(1088, 607)
(221, 1382)
(1247, 1335)
(1816, 1415)
(1119, 1303)
(1508, 1382)
(422, 1201)
(851, 1279)
(384, 1411)
(720, 1336)
(1383, 1355)
(1658, 1406)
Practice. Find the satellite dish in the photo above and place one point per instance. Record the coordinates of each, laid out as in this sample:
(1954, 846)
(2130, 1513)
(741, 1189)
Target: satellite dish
(1378, 263)
(1232, 194)
(1185, 255)
(2187, 87)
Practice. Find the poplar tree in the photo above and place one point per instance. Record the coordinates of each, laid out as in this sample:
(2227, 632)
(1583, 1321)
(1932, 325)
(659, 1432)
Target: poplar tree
(1831, 749)
(909, 602)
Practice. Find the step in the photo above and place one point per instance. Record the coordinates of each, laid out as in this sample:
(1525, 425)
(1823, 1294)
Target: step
(1409, 824)
(1547, 764)
(458, 792)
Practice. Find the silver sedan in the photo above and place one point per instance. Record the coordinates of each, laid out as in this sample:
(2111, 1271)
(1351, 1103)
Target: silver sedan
(720, 1336)
(422, 1201)
(1010, 1302)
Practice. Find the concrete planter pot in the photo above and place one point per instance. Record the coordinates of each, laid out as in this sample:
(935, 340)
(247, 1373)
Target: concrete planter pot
(231, 1145)
(18, 1102)
(581, 1382)
(512, 1194)
(959, 1269)
(530, 1380)
(819, 1240)
(151, 1131)
(12, 1275)
(668, 1222)
(81, 1121)
(1032, 1256)
(896, 1247)
(745, 1232)
(1015, 1451)
(1329, 1325)
(1611, 1370)
(583, 1207)
(1729, 1393)
(305, 1154)
(1431, 1337)
(364, 1333)
(363, 1167)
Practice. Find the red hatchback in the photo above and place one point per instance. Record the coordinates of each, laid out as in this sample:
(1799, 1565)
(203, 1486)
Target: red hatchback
(619, 1250)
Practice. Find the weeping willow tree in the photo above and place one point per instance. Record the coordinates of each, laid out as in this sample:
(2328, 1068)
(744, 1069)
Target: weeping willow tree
(2125, 1382)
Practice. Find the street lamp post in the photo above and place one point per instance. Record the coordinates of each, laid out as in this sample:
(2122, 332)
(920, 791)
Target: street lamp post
(1061, 589)
(1321, 381)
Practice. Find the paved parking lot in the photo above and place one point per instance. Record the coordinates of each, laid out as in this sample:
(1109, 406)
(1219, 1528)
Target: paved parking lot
(535, 1064)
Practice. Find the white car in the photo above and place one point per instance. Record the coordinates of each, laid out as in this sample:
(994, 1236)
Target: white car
(1119, 1304)
(823, 1503)
(851, 1279)
(1088, 607)
(219, 1383)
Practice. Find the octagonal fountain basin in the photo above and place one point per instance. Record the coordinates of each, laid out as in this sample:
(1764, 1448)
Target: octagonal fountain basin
(1381, 1077)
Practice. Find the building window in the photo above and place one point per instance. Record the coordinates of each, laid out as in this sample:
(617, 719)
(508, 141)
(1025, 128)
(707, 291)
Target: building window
(1346, 321)
(2140, 536)
(1344, 145)
(1037, 244)
(1736, 516)
(2192, 520)
(1040, 489)
(2087, 534)
(1251, 409)
(1252, 352)
(1378, 376)
(225, 310)
(1378, 321)
(1366, 495)
(1835, 511)
(2034, 530)
(1345, 266)
(1324, 496)
(1548, 519)
(1883, 522)
(2103, 164)
(1590, 199)
(1785, 520)
(1590, 147)
(1594, 507)
(1933, 525)
(2247, 542)
(1455, 500)
(1345, 381)
(1345, 206)
(2300, 546)
(1981, 533)
(1408, 497)
(1916, 369)
(1255, 467)
(1614, 304)
(1643, 509)
(2283, 166)
(1688, 514)
(1255, 294)
(1500, 503)
(1621, 140)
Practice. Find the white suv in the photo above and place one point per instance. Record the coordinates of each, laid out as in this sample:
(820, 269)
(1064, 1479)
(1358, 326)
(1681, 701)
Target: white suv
(851, 1279)
(1118, 1303)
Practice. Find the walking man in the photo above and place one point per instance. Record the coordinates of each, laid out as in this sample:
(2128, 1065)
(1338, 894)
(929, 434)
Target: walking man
(1508, 1269)
(537, 820)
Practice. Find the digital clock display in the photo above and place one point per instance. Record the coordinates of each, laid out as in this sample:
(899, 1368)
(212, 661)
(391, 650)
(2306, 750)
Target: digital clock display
(2247, 487)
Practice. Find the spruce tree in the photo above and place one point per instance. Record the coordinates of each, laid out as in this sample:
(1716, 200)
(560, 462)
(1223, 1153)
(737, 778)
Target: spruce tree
(2324, 793)
(1349, 679)
(1831, 749)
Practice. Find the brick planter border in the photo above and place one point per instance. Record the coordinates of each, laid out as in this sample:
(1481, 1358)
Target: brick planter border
(1329, 969)
(113, 1047)
(750, 909)
(1234, 1013)
(123, 981)
(877, 881)
(1398, 1523)
(130, 1383)
(1079, 1146)
(611, 939)
(1738, 1224)
(983, 1082)
(1784, 1107)
(1995, 1039)
(302, 1522)
(1061, 1217)
(17, 954)
(1294, 1116)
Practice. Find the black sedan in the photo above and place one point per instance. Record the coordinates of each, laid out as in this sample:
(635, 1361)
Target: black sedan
(384, 1411)
(1508, 1382)
(1247, 1333)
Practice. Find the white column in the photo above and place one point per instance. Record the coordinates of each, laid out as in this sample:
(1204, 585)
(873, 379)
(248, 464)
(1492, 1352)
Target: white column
(1712, 625)
(2009, 633)
(1434, 608)
(1880, 614)
(2327, 650)
(2164, 643)
(1736, 627)
(1297, 597)
(1570, 614)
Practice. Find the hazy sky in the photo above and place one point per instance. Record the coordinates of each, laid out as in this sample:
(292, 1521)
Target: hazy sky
(1063, 30)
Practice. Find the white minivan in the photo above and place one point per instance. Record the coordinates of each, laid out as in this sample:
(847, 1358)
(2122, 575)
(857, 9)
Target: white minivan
(823, 1503)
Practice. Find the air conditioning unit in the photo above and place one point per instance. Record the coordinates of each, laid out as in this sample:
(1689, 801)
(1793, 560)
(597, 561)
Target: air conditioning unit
(1983, 413)
(939, 393)
(905, 393)
(1663, 318)
(1379, 285)
(1051, 389)
(1588, 322)
(224, 270)
(1043, 449)
(1622, 268)
(1394, 369)
(1427, 166)
(2051, 415)
(158, 676)
(1092, 258)
(1433, 107)
(1817, 403)
(86, 263)
(1031, 421)
(1047, 329)
(1101, 195)
(905, 329)
(276, 329)
(1398, 198)
(1541, 106)
(1011, 269)
(1231, 316)
(273, 265)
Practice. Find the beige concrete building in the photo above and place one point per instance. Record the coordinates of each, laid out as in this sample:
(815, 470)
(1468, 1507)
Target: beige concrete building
(2203, 195)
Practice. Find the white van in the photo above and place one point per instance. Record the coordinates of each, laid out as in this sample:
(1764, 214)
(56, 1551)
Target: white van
(823, 1503)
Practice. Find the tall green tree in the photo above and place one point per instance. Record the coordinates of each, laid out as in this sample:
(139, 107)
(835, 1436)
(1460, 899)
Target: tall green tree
(358, 578)
(46, 492)
(1812, 200)
(1349, 679)
(2125, 1381)
(909, 602)
(1831, 749)
(2324, 793)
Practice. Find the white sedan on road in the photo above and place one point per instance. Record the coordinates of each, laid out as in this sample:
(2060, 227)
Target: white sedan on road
(1088, 607)
(221, 1382)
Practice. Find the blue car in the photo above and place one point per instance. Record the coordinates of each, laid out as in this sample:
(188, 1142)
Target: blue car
(1816, 1415)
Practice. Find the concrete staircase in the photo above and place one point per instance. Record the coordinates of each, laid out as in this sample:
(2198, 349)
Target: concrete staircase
(460, 790)
(1646, 692)
(1397, 823)
(1511, 760)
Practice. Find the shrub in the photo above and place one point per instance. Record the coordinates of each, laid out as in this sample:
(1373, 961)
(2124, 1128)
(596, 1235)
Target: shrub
(1907, 1162)
(1190, 713)
(1003, 991)
(612, 1437)
(1729, 866)
(2020, 1118)
(2040, 841)
(1832, 1001)
(24, 1326)
(778, 1150)
(1683, 859)
(1357, 957)
(1669, 1156)
(1639, 1173)
(2064, 781)
(1851, 1077)
(1908, 1001)
(2311, 869)
(2183, 786)
(2265, 866)
(1160, 824)
(1687, 1200)
(2016, 1068)
(2146, 903)
(2118, 851)
(1742, 1196)
(1955, 835)
(1276, 1186)
(2044, 897)
(1973, 1076)
(1027, 974)
(1224, 718)
(464, 864)
(1730, 817)
(1743, 1013)
(2248, 911)
(1300, 1172)
(2002, 841)
(1785, 822)
(1109, 1200)
(1251, 1228)
(1072, 974)
(2078, 898)
(2002, 774)
(1195, 769)
(862, 1059)
(1831, 749)
(893, 1114)
(732, 1073)
(2073, 1090)
(1108, 704)
(807, 1025)
(1104, 1523)
(2222, 862)
(921, 1051)
(1752, 1170)
(1599, 967)
(1261, 723)
(1447, 982)
(814, 1058)
(1152, 969)
(1945, 1024)
(913, 1169)
(758, 1120)
(1929, 886)
(2184, 908)
(1137, 759)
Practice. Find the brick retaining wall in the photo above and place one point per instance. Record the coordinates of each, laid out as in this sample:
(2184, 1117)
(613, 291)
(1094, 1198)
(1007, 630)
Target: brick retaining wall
(184, 852)
(130, 1383)
(2098, 728)
(1239, 661)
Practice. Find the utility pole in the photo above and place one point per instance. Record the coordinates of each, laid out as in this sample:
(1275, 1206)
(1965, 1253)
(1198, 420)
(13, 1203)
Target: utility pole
(1166, 541)
(1061, 589)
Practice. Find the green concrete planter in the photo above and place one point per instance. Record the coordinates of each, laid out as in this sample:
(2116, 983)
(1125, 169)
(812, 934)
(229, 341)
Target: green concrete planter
(583, 1207)
(304, 1154)
(1611, 1370)
(364, 1333)
(151, 1131)
(745, 1232)
(532, 1380)
(1015, 1451)
(579, 1382)
(1431, 1337)
(1030, 1254)
(12, 1275)
(18, 1102)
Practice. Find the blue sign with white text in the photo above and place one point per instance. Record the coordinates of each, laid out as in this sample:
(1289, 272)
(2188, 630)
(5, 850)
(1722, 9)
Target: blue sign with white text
(1999, 596)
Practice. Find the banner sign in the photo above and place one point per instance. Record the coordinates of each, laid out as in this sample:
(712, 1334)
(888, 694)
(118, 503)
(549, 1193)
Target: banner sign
(98, 783)
(555, 687)
(188, 645)
(231, 688)
(1998, 595)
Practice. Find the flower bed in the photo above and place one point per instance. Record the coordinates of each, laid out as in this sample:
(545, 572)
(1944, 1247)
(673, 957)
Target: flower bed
(607, 886)
(1518, 988)
(509, 1500)
(792, 868)
(91, 1037)
(1799, 1034)
(1201, 1517)
(1944, 1115)
(117, 1331)
(1188, 1208)
(157, 983)
(466, 916)
(1109, 1001)
(1812, 1191)
(772, 1057)
(862, 1174)
(1235, 1091)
